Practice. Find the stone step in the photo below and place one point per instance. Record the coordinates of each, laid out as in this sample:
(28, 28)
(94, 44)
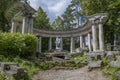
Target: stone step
(17, 69)
(94, 64)
(10, 73)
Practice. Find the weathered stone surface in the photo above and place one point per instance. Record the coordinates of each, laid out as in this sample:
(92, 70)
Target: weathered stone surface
(78, 50)
(93, 56)
(17, 69)
(115, 63)
(118, 75)
(12, 70)
(94, 64)
(6, 65)
(10, 73)
(110, 55)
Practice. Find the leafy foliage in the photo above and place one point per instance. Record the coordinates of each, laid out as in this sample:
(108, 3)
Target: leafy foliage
(3, 77)
(41, 21)
(17, 44)
(111, 7)
(5, 5)
(58, 24)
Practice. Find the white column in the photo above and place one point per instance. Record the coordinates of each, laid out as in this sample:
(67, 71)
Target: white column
(31, 25)
(13, 25)
(72, 45)
(89, 42)
(94, 35)
(101, 36)
(81, 42)
(40, 44)
(50, 43)
(24, 24)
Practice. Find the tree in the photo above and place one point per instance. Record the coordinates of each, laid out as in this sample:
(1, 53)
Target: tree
(69, 16)
(58, 24)
(111, 7)
(72, 15)
(41, 21)
(5, 5)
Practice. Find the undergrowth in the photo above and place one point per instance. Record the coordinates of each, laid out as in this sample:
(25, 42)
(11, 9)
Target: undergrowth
(33, 66)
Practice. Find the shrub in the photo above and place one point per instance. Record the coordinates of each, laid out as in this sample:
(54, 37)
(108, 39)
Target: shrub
(17, 44)
(30, 42)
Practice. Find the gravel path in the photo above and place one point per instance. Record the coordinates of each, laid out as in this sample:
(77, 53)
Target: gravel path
(77, 74)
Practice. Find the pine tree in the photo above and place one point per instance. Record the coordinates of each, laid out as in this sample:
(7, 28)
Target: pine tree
(41, 20)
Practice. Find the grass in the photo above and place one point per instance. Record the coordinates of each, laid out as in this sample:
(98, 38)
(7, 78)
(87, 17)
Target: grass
(33, 66)
(30, 68)
(3, 77)
(108, 70)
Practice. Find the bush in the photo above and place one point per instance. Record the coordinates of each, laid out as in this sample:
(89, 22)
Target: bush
(17, 44)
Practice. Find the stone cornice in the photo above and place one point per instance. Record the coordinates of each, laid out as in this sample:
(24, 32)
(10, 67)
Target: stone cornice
(75, 32)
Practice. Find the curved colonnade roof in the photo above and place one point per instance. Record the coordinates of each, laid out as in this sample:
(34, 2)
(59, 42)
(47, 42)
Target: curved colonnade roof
(75, 32)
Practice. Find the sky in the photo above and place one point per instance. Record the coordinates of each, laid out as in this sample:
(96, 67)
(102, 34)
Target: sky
(53, 8)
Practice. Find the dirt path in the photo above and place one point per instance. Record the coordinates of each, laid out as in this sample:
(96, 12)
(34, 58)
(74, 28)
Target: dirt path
(78, 74)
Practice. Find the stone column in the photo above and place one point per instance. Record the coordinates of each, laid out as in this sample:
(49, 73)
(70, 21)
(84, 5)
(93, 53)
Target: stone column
(89, 42)
(31, 25)
(94, 35)
(13, 25)
(24, 24)
(40, 44)
(61, 43)
(81, 41)
(50, 43)
(101, 36)
(72, 45)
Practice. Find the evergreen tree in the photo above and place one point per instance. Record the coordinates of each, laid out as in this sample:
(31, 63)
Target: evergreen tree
(41, 20)
(112, 7)
(58, 24)
(5, 5)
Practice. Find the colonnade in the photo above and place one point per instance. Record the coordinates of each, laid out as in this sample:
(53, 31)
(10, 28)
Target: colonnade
(95, 39)
(93, 30)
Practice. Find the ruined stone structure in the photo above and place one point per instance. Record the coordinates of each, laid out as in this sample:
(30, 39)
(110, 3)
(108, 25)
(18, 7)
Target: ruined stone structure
(93, 29)
(23, 21)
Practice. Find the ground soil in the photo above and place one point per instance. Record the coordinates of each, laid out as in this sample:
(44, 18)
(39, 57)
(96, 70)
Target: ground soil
(77, 74)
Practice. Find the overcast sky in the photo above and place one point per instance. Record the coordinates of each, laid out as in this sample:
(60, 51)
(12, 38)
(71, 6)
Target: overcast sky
(53, 8)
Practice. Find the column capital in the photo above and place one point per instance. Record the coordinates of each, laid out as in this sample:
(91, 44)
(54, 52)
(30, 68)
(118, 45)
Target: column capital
(94, 22)
(100, 21)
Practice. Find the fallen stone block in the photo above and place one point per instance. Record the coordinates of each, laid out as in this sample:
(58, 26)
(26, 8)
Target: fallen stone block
(17, 69)
(115, 63)
(94, 64)
(118, 75)
(110, 55)
(10, 73)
